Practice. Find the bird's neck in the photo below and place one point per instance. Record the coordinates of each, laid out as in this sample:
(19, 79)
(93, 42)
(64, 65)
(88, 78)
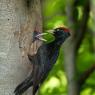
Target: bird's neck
(52, 47)
(54, 44)
(53, 51)
(57, 43)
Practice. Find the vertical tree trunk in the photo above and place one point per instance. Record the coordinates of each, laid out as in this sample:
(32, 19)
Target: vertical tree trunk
(69, 60)
(18, 18)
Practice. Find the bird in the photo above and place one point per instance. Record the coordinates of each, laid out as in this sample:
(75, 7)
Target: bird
(43, 61)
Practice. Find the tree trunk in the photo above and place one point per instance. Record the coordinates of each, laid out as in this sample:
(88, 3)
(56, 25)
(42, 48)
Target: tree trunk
(70, 69)
(18, 19)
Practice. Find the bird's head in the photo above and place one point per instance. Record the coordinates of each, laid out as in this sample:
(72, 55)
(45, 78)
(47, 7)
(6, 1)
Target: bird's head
(60, 34)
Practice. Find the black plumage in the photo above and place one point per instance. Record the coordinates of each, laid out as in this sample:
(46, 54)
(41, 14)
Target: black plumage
(43, 62)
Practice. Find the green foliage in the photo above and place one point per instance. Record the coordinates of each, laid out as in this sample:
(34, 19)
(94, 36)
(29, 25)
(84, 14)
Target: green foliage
(53, 7)
(54, 12)
(85, 56)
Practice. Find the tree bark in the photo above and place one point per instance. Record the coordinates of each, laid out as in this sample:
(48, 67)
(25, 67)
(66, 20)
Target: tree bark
(18, 19)
(70, 67)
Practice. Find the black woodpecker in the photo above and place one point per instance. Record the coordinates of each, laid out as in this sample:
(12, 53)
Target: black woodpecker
(43, 61)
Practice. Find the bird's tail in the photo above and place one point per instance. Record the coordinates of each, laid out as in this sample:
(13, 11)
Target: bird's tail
(21, 88)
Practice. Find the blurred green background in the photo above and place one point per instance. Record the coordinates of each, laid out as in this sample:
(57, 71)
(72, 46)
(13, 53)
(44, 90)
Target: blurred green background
(54, 13)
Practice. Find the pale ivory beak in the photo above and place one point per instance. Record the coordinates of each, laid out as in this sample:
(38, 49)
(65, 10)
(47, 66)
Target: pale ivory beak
(42, 39)
(42, 34)
(39, 36)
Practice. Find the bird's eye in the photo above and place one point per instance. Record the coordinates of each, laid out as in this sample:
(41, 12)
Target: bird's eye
(61, 30)
(57, 30)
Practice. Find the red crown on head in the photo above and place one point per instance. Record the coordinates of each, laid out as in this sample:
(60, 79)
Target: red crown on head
(65, 29)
